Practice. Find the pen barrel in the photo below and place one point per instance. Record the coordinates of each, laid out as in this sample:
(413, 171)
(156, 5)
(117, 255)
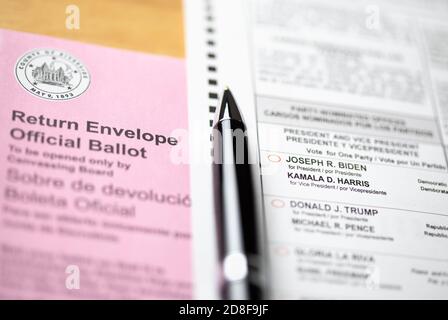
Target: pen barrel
(235, 212)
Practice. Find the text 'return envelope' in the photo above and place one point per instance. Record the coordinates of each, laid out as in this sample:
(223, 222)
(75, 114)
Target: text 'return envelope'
(94, 182)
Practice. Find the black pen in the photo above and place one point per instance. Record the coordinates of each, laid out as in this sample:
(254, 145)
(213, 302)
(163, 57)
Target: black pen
(238, 243)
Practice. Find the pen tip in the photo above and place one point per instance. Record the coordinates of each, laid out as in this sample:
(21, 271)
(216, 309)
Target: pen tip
(229, 108)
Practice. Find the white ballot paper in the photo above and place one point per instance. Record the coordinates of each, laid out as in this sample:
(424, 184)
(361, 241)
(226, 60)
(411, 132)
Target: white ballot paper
(346, 104)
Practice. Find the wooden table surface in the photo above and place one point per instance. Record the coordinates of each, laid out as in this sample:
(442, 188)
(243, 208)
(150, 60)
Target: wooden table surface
(154, 26)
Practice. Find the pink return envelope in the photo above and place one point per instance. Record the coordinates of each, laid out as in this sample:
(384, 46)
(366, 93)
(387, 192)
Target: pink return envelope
(94, 183)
